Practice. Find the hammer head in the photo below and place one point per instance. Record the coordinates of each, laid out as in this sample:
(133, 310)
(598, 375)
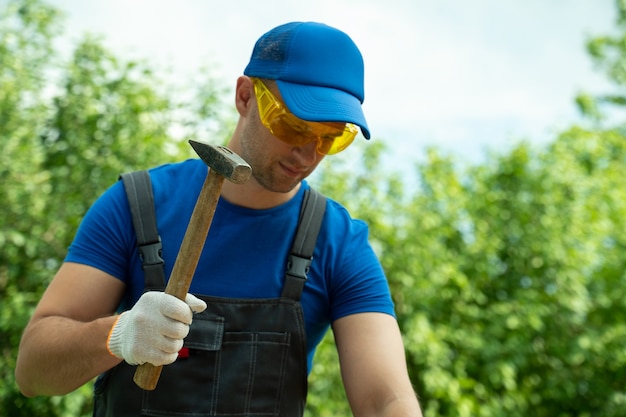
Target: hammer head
(223, 161)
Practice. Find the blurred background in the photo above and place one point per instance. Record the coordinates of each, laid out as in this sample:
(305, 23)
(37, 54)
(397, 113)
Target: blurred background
(465, 76)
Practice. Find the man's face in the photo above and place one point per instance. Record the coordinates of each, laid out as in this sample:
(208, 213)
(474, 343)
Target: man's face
(276, 165)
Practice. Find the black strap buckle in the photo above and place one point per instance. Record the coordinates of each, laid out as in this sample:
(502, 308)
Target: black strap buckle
(298, 266)
(151, 254)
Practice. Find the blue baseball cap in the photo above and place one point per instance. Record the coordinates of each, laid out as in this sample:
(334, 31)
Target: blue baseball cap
(318, 70)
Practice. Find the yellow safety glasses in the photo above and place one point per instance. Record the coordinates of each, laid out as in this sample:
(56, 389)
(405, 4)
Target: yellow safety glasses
(331, 137)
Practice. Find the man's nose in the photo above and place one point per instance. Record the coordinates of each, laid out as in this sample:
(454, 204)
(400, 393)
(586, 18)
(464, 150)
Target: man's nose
(308, 153)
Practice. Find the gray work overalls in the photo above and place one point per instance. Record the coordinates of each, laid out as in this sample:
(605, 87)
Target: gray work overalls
(246, 357)
(242, 357)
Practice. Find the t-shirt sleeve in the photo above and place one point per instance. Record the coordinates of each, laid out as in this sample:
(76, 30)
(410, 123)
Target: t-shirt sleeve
(104, 239)
(359, 284)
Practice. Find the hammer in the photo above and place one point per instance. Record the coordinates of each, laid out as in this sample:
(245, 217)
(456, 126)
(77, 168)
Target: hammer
(223, 164)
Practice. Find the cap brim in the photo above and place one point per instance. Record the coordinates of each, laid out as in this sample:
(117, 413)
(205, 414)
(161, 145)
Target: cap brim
(323, 104)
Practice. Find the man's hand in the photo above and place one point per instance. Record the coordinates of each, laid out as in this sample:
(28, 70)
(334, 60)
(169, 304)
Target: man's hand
(154, 329)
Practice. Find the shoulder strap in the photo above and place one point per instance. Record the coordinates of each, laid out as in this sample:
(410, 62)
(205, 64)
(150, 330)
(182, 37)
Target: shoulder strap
(141, 199)
(301, 256)
(139, 192)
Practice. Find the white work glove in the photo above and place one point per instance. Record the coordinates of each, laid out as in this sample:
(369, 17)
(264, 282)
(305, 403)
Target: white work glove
(154, 329)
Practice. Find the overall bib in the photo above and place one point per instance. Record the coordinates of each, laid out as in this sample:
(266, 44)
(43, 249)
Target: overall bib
(242, 357)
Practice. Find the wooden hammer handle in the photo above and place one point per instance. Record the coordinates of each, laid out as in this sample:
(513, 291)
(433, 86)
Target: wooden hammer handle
(147, 375)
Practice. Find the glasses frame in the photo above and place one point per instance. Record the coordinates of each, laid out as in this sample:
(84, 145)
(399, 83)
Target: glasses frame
(331, 137)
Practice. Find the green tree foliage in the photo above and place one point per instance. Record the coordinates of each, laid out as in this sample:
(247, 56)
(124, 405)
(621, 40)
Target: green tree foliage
(26, 30)
(608, 52)
(508, 276)
(67, 129)
(519, 311)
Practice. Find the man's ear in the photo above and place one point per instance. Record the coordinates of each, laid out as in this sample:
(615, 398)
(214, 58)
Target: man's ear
(244, 95)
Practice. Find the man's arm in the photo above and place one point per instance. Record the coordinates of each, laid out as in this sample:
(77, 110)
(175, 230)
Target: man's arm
(373, 366)
(64, 344)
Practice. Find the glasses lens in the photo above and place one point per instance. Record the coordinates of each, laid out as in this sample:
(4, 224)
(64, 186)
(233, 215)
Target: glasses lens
(332, 137)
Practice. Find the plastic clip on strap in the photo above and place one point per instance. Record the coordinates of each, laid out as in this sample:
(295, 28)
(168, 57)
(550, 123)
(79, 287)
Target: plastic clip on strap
(152, 263)
(301, 256)
(151, 253)
(298, 266)
(141, 200)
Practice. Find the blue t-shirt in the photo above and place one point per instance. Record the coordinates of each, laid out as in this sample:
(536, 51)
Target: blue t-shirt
(245, 254)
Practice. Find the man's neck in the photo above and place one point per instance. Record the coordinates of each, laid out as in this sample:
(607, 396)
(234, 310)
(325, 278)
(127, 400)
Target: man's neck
(253, 195)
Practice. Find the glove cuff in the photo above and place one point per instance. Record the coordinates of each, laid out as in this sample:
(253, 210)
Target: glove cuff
(114, 339)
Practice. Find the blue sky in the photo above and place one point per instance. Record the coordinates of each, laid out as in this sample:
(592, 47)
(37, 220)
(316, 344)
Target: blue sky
(462, 75)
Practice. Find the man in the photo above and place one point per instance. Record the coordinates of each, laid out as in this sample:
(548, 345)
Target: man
(249, 352)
